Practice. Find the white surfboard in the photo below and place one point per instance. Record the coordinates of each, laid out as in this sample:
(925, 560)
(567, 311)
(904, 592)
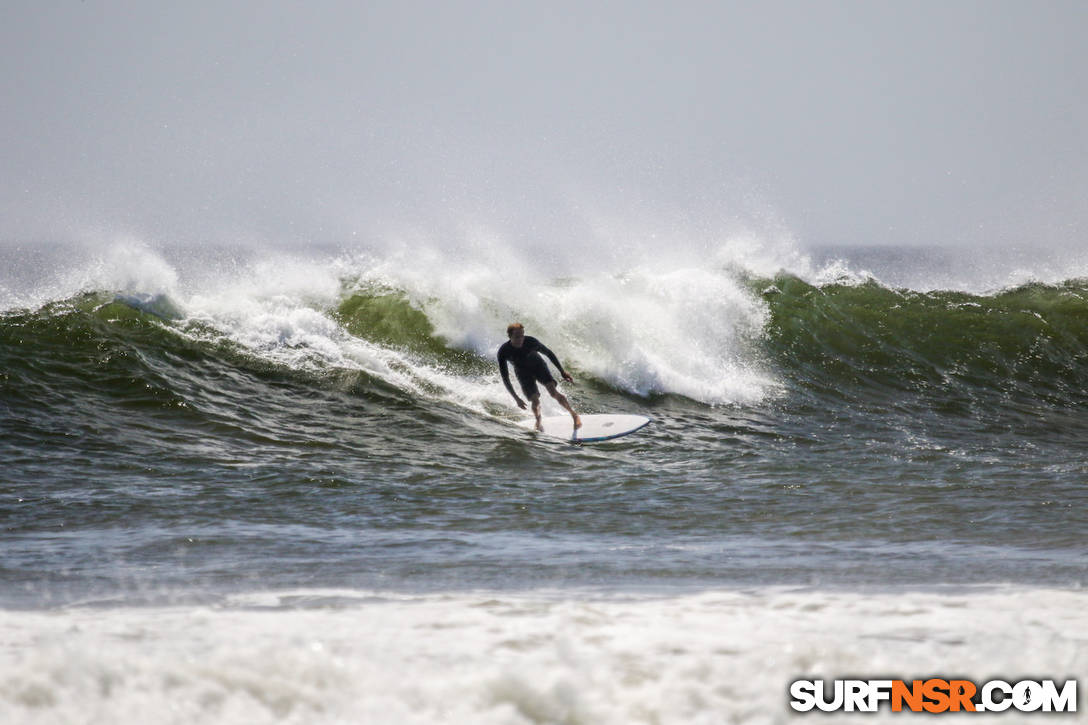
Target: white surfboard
(595, 428)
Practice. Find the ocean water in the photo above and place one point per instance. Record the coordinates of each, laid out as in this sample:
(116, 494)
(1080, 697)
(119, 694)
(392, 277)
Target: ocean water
(244, 485)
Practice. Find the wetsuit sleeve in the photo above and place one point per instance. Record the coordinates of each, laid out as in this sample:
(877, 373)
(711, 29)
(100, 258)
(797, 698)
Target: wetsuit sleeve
(551, 356)
(505, 373)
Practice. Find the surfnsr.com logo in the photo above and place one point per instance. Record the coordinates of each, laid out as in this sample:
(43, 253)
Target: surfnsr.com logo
(933, 695)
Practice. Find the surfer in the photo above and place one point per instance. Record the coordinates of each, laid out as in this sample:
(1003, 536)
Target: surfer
(529, 367)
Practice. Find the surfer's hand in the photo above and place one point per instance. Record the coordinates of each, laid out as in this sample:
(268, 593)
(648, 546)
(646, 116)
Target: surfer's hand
(567, 377)
(521, 403)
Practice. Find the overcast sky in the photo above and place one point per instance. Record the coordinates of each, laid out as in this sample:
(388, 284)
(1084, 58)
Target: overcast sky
(844, 122)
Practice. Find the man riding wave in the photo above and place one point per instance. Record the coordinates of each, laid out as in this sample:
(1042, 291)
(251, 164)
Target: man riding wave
(524, 354)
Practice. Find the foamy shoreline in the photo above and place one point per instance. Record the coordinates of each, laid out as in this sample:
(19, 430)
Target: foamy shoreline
(489, 657)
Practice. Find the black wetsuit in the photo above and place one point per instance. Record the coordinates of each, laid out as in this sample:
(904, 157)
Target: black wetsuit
(528, 365)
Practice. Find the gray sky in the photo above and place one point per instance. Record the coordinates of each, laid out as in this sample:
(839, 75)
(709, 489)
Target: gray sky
(943, 123)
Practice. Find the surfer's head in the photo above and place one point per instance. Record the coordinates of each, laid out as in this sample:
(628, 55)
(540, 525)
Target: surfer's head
(516, 333)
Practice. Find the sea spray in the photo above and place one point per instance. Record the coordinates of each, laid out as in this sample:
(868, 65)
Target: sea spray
(645, 330)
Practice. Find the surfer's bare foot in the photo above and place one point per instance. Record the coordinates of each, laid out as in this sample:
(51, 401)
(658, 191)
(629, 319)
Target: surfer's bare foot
(577, 421)
(539, 425)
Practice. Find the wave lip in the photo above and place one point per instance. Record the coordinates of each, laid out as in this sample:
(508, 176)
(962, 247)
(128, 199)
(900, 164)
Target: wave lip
(1028, 343)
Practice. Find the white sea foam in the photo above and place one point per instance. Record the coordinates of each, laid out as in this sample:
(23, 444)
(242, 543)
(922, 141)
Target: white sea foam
(662, 327)
(654, 316)
(347, 657)
(666, 325)
(282, 309)
(33, 278)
